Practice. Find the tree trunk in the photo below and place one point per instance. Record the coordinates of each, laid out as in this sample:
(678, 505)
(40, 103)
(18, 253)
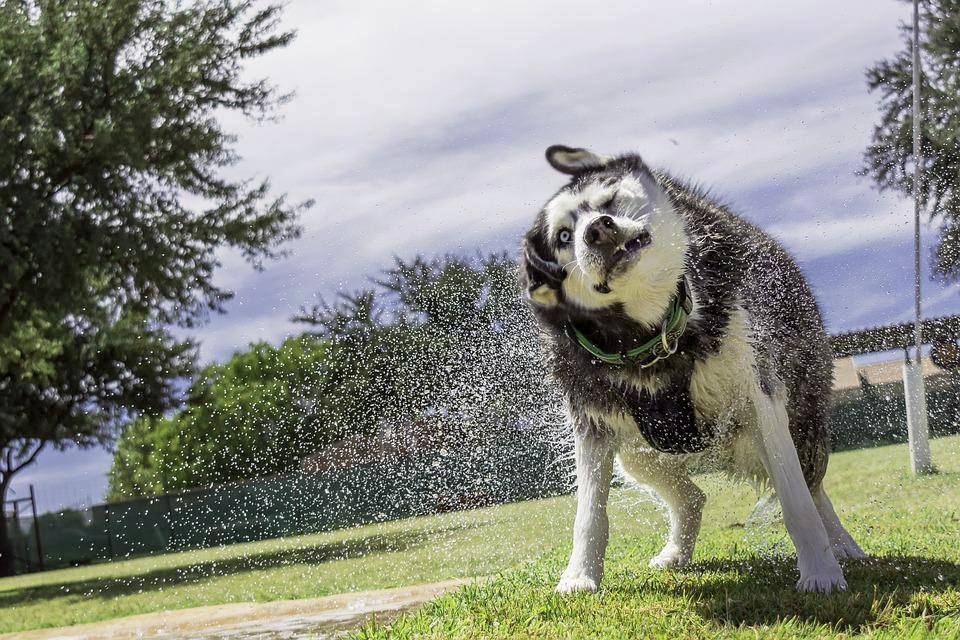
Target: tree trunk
(7, 565)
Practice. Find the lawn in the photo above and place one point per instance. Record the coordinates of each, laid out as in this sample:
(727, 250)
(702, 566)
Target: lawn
(404, 552)
(740, 585)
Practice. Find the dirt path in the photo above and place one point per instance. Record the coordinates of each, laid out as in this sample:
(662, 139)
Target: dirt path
(289, 619)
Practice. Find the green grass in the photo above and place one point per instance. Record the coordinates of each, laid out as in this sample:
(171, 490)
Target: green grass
(741, 584)
(393, 554)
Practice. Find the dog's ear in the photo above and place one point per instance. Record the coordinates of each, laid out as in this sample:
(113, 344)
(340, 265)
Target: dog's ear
(574, 161)
(543, 277)
(543, 296)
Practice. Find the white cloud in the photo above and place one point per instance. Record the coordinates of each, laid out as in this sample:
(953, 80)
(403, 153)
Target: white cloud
(821, 237)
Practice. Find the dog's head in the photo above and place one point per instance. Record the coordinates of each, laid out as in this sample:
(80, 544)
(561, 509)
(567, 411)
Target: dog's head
(609, 237)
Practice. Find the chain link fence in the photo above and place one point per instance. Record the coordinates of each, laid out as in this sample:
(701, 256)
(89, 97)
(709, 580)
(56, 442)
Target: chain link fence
(875, 414)
(290, 504)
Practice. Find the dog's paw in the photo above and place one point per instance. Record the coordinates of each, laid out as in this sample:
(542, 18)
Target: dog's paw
(822, 583)
(669, 557)
(848, 550)
(576, 583)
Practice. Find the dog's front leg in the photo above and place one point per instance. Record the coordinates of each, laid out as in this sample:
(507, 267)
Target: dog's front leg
(819, 569)
(594, 456)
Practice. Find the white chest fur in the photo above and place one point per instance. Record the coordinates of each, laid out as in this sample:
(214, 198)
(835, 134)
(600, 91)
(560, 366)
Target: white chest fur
(719, 386)
(721, 383)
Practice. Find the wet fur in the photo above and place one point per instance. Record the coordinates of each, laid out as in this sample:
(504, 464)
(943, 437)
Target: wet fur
(754, 361)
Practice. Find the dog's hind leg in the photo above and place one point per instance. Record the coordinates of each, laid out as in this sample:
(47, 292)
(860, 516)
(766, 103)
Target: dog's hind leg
(594, 459)
(819, 569)
(842, 543)
(683, 498)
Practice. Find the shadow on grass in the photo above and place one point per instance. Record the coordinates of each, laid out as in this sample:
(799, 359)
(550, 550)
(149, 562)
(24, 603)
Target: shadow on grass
(760, 591)
(166, 578)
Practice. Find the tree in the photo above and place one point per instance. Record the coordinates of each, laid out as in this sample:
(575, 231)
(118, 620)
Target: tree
(889, 159)
(459, 346)
(376, 352)
(464, 363)
(113, 205)
(442, 336)
(255, 415)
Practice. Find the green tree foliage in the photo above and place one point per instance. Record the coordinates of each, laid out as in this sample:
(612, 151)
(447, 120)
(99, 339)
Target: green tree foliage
(113, 205)
(889, 159)
(459, 344)
(446, 341)
(254, 415)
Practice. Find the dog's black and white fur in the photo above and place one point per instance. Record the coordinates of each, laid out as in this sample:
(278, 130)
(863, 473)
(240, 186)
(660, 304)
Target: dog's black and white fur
(750, 375)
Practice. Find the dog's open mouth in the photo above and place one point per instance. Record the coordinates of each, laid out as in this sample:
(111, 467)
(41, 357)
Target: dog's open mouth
(630, 248)
(622, 254)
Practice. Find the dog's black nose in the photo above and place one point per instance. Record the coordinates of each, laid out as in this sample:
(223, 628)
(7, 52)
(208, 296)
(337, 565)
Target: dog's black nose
(601, 230)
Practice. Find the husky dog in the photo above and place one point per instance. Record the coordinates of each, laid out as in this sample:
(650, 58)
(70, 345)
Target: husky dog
(678, 331)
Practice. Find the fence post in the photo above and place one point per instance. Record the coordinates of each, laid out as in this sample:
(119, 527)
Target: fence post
(918, 431)
(171, 541)
(36, 527)
(106, 521)
(13, 540)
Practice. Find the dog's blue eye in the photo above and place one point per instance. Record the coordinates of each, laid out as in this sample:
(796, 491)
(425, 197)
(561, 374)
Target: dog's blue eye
(564, 237)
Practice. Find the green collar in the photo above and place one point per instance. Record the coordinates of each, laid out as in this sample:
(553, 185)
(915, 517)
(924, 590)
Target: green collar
(659, 347)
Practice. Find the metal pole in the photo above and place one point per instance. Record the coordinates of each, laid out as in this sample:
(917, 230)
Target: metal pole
(171, 540)
(913, 381)
(13, 542)
(36, 527)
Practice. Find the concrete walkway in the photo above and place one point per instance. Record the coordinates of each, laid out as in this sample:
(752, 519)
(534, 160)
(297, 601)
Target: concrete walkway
(314, 618)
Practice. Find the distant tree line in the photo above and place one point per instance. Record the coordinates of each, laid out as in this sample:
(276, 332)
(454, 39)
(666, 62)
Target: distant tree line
(446, 340)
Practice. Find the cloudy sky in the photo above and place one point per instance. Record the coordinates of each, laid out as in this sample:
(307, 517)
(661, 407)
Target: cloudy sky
(420, 128)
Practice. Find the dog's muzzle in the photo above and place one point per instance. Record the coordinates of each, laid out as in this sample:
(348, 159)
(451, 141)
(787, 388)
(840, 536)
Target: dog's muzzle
(611, 242)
